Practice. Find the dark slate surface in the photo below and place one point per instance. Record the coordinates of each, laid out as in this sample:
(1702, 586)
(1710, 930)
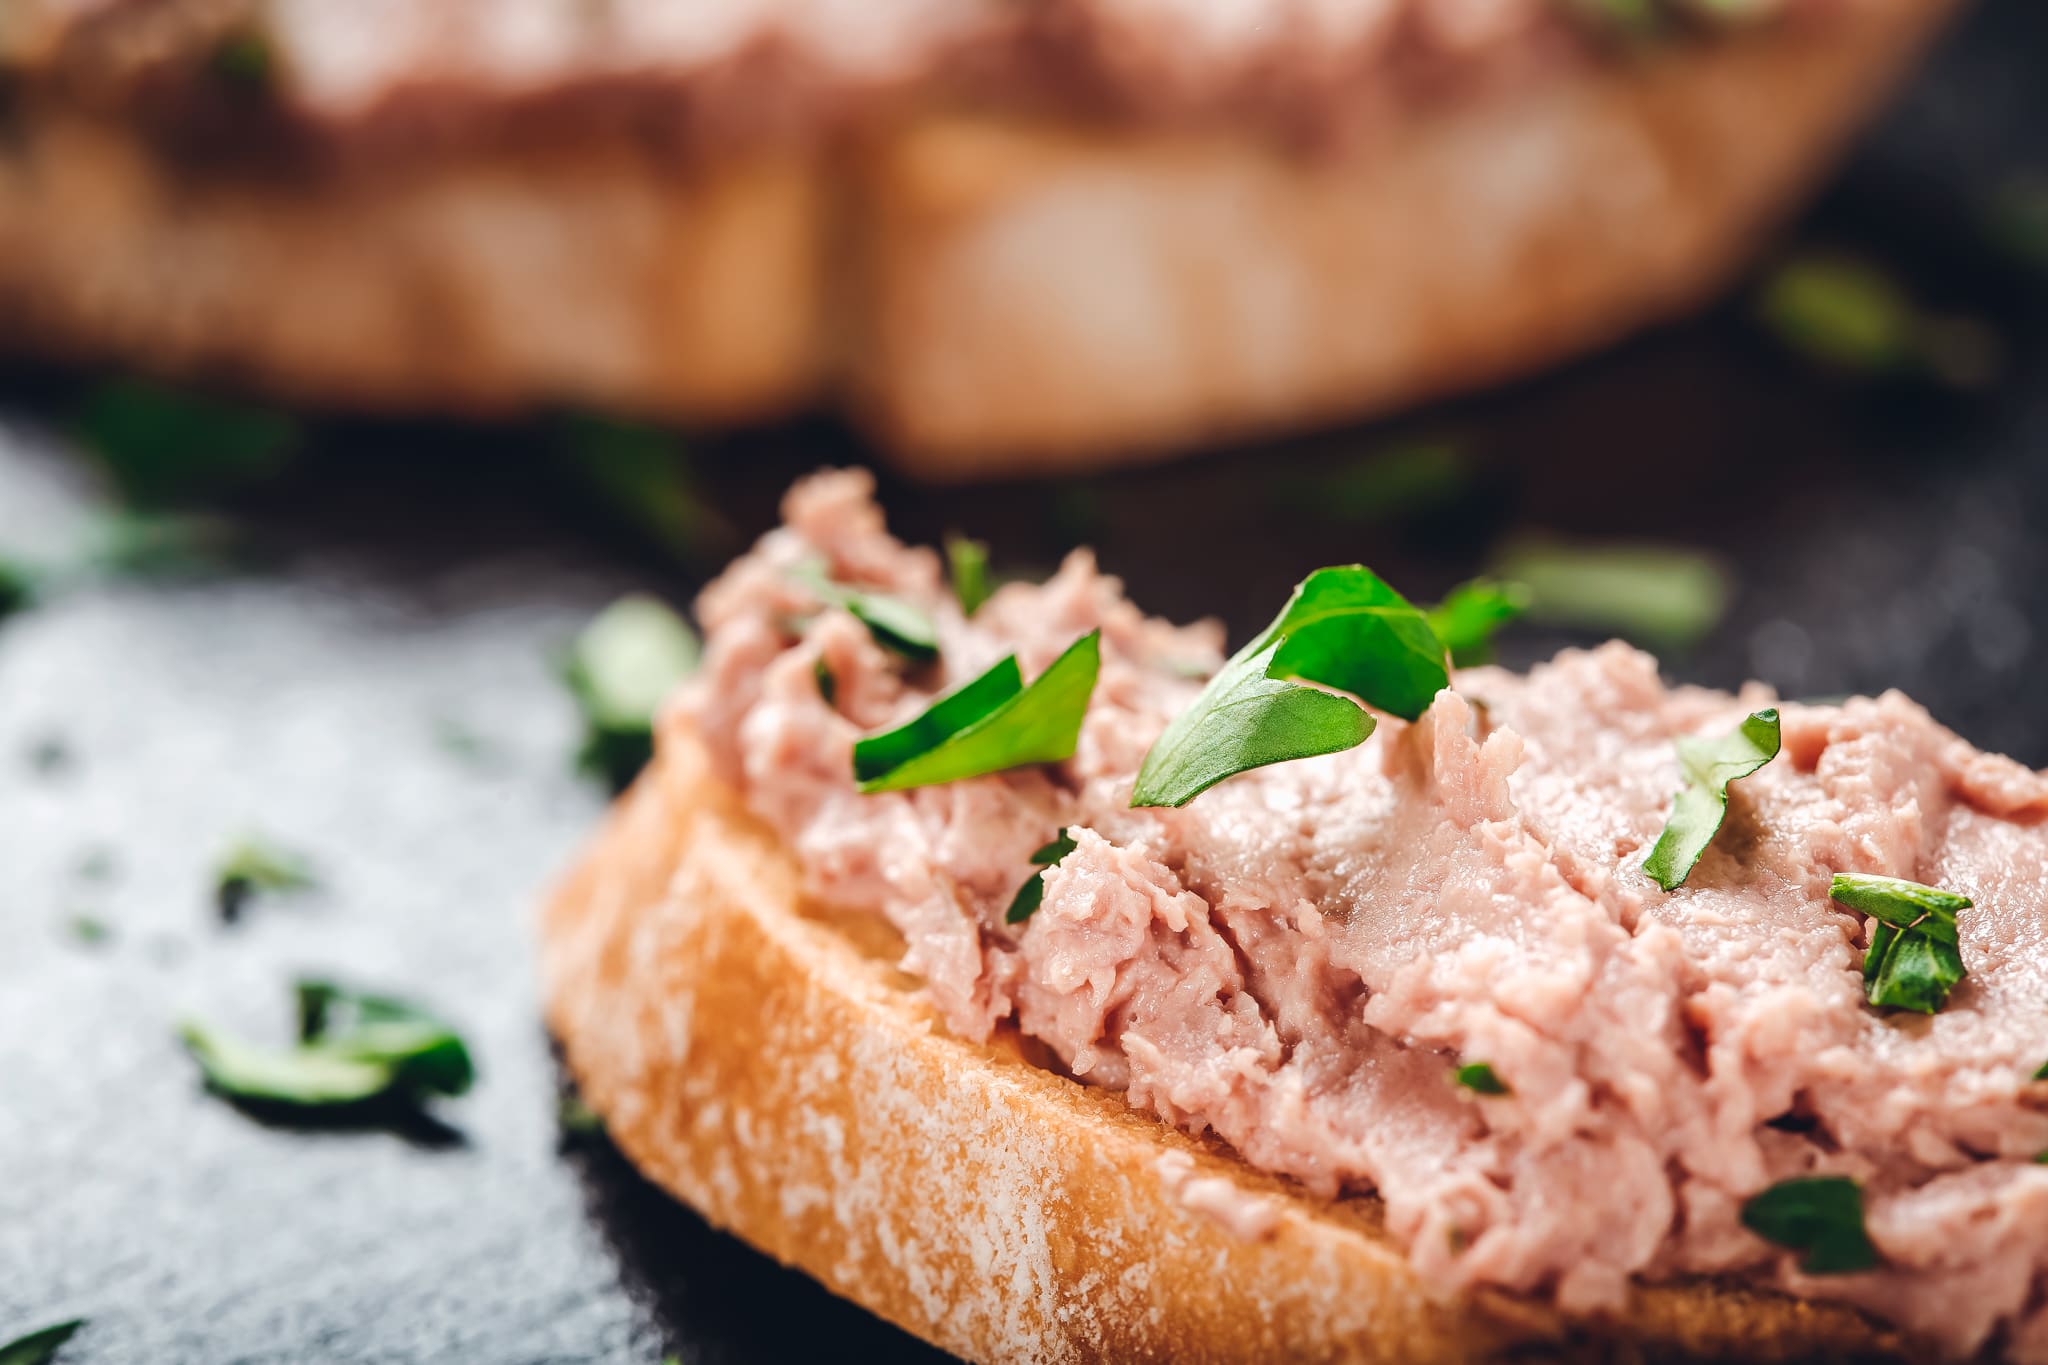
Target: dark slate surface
(418, 578)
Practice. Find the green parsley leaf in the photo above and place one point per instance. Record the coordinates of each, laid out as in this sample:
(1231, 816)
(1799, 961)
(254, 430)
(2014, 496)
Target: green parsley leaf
(575, 1118)
(1031, 895)
(1709, 765)
(620, 670)
(896, 624)
(1480, 1078)
(353, 1048)
(1470, 614)
(1913, 961)
(252, 867)
(243, 61)
(1844, 313)
(1658, 595)
(987, 725)
(1343, 628)
(162, 444)
(18, 583)
(1820, 1216)
(643, 477)
(2042, 1074)
(967, 561)
(89, 931)
(828, 685)
(1382, 486)
(39, 1347)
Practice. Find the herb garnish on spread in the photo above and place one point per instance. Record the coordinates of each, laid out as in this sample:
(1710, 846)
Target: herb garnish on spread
(1709, 764)
(1300, 962)
(1913, 961)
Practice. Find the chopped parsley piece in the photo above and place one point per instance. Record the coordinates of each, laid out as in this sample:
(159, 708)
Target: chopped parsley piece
(1031, 895)
(986, 725)
(253, 867)
(1913, 961)
(620, 670)
(1658, 595)
(643, 476)
(2042, 1074)
(89, 931)
(1820, 1216)
(1383, 486)
(353, 1048)
(1343, 628)
(39, 1347)
(967, 561)
(1852, 316)
(1479, 1078)
(1709, 763)
(243, 61)
(17, 587)
(828, 685)
(896, 624)
(575, 1118)
(162, 444)
(1470, 614)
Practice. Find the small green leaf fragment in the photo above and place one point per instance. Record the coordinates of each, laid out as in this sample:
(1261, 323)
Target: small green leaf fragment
(1470, 614)
(90, 931)
(254, 866)
(1842, 312)
(161, 444)
(301, 1076)
(576, 1118)
(1031, 894)
(1659, 595)
(1382, 486)
(1820, 1217)
(354, 1047)
(828, 685)
(1039, 724)
(1913, 961)
(41, 1346)
(894, 623)
(2042, 1074)
(1709, 764)
(18, 586)
(620, 670)
(643, 477)
(967, 561)
(1479, 1077)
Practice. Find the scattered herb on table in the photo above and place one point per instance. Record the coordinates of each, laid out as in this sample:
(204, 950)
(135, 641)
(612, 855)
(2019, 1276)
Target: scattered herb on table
(1852, 316)
(1382, 486)
(1471, 613)
(89, 931)
(894, 623)
(18, 586)
(1031, 894)
(967, 562)
(1659, 595)
(1821, 1217)
(253, 867)
(1343, 628)
(354, 1048)
(620, 669)
(986, 725)
(1709, 764)
(575, 1118)
(1479, 1078)
(161, 444)
(41, 1346)
(1914, 960)
(643, 476)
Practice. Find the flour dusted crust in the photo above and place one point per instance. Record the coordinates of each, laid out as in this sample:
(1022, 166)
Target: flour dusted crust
(771, 1068)
(988, 292)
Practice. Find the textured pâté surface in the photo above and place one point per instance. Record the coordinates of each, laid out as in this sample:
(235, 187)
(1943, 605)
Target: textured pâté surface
(1878, 538)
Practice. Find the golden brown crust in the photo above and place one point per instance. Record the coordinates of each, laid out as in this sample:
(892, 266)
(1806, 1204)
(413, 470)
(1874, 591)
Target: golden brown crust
(769, 1067)
(989, 293)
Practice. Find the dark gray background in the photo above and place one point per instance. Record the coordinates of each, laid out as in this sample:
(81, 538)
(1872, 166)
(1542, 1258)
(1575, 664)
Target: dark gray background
(1880, 535)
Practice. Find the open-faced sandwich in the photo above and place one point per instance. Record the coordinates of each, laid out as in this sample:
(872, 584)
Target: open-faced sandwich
(1005, 234)
(1060, 990)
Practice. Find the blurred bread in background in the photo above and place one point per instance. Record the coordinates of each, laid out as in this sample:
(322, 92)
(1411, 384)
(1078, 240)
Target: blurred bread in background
(1004, 237)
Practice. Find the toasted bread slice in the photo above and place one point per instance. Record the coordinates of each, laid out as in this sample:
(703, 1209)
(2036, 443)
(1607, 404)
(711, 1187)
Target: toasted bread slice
(1042, 297)
(994, 292)
(769, 1066)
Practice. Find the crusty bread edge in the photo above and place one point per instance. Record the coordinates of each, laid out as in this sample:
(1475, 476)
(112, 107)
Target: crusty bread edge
(775, 1072)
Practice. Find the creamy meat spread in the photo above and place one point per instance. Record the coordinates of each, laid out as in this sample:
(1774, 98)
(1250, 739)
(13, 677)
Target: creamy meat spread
(436, 64)
(1299, 959)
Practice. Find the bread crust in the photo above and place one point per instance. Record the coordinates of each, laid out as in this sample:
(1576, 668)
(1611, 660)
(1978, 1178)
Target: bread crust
(989, 293)
(769, 1066)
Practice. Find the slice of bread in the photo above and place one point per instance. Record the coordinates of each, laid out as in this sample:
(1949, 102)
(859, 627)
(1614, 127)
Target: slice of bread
(990, 292)
(769, 1066)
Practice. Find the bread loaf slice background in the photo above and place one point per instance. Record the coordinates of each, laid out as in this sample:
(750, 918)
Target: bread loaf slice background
(986, 292)
(769, 1066)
